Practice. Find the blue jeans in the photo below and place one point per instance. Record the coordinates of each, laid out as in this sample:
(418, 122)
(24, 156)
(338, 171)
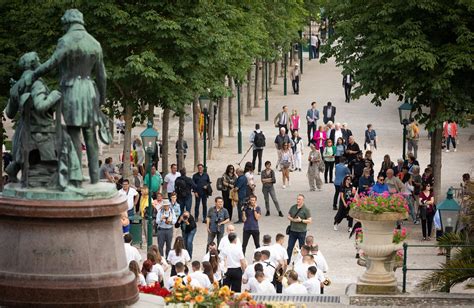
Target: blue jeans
(131, 213)
(186, 203)
(204, 207)
(292, 238)
(188, 241)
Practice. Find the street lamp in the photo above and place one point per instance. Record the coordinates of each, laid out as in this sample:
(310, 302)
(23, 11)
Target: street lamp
(285, 79)
(449, 211)
(239, 124)
(266, 91)
(405, 112)
(149, 138)
(204, 102)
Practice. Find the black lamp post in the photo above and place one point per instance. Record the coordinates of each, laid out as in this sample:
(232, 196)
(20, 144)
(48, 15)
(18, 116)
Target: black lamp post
(449, 210)
(149, 138)
(205, 101)
(405, 112)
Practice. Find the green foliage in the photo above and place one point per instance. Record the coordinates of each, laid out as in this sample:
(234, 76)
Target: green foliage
(421, 49)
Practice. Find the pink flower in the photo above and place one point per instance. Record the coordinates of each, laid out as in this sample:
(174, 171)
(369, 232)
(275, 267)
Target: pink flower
(404, 232)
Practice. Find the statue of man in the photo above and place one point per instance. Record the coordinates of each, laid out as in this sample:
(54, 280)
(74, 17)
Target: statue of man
(78, 55)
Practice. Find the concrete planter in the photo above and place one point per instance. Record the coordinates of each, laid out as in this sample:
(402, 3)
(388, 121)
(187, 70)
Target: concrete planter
(378, 248)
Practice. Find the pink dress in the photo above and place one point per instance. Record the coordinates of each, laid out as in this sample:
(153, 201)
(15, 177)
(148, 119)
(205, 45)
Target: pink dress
(320, 139)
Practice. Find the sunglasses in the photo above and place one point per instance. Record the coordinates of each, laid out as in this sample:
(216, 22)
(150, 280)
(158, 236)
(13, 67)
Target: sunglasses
(381, 180)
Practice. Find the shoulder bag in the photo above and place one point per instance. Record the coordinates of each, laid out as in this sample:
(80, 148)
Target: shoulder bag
(289, 226)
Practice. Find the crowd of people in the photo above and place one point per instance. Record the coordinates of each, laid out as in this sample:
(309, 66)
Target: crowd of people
(333, 158)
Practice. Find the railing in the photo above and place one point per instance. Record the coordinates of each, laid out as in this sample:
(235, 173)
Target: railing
(448, 257)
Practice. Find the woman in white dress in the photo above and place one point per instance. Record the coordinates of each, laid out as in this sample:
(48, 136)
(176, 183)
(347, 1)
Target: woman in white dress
(178, 254)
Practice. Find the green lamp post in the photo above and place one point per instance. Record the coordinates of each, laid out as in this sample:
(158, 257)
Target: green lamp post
(449, 210)
(301, 51)
(149, 138)
(266, 91)
(239, 119)
(405, 113)
(285, 79)
(204, 102)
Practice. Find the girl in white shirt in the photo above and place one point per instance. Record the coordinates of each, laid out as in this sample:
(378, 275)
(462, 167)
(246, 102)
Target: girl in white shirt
(135, 268)
(178, 254)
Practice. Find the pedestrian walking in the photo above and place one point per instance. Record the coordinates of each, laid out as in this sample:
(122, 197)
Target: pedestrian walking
(299, 216)
(295, 78)
(450, 133)
(201, 188)
(286, 162)
(347, 83)
(346, 194)
(268, 188)
(314, 42)
(282, 119)
(251, 214)
(236, 264)
(341, 172)
(183, 187)
(170, 179)
(165, 220)
(312, 117)
(248, 172)
(228, 182)
(140, 155)
(241, 188)
(329, 157)
(314, 168)
(329, 113)
(370, 138)
(413, 136)
(181, 147)
(319, 139)
(295, 122)
(297, 150)
(427, 211)
(257, 140)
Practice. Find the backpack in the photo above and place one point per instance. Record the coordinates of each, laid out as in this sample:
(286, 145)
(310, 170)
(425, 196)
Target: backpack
(220, 184)
(180, 187)
(259, 139)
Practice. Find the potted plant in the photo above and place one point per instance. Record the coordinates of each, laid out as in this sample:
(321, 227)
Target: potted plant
(378, 215)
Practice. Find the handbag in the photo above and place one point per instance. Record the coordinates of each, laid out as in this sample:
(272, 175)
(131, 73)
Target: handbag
(289, 226)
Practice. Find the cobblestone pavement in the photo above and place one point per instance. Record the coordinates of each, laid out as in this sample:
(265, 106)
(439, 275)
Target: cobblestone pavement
(322, 83)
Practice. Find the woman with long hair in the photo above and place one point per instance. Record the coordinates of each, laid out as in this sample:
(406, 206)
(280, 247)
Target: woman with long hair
(329, 156)
(294, 121)
(156, 267)
(147, 271)
(248, 172)
(427, 211)
(346, 193)
(319, 139)
(217, 263)
(228, 182)
(340, 149)
(386, 164)
(285, 162)
(159, 259)
(135, 269)
(207, 269)
(178, 254)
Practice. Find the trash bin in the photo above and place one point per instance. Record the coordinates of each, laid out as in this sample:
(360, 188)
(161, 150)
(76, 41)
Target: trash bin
(136, 229)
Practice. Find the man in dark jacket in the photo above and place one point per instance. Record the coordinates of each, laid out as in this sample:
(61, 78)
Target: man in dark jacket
(329, 113)
(241, 185)
(183, 187)
(201, 182)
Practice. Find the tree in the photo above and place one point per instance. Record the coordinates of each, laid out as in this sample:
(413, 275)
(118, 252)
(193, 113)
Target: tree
(418, 49)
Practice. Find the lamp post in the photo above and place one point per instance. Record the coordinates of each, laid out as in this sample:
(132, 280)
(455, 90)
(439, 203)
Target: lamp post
(149, 138)
(301, 51)
(309, 41)
(239, 130)
(285, 81)
(266, 91)
(204, 101)
(405, 112)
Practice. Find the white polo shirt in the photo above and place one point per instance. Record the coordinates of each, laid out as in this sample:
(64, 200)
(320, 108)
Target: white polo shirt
(250, 271)
(225, 242)
(313, 285)
(321, 263)
(295, 289)
(183, 258)
(200, 280)
(159, 271)
(269, 269)
(264, 287)
(278, 253)
(302, 270)
(270, 249)
(233, 254)
(132, 253)
(130, 194)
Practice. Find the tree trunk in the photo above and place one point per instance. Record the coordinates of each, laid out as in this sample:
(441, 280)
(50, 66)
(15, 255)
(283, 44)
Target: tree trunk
(164, 141)
(196, 112)
(275, 73)
(210, 132)
(150, 112)
(249, 92)
(436, 152)
(270, 75)
(255, 97)
(1, 160)
(231, 116)
(180, 162)
(291, 54)
(262, 94)
(220, 122)
(127, 140)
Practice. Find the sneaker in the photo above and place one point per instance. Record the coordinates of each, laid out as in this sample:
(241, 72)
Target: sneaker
(268, 213)
(349, 229)
(335, 227)
(447, 151)
(283, 187)
(416, 222)
(334, 208)
(454, 149)
(280, 214)
(357, 256)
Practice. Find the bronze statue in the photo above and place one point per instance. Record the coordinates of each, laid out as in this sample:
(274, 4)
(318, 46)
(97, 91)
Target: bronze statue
(36, 150)
(78, 57)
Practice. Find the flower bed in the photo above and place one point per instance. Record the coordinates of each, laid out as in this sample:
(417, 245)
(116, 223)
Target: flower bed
(383, 203)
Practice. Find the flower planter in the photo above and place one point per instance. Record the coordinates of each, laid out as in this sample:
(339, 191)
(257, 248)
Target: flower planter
(378, 249)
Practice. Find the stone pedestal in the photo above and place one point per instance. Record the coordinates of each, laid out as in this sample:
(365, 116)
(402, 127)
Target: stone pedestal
(64, 252)
(378, 248)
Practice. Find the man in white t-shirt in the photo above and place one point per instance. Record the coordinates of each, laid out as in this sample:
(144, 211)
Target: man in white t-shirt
(236, 264)
(267, 245)
(170, 179)
(302, 267)
(268, 266)
(314, 281)
(250, 270)
(132, 196)
(225, 239)
(179, 274)
(198, 278)
(280, 254)
(131, 253)
(294, 287)
(260, 285)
